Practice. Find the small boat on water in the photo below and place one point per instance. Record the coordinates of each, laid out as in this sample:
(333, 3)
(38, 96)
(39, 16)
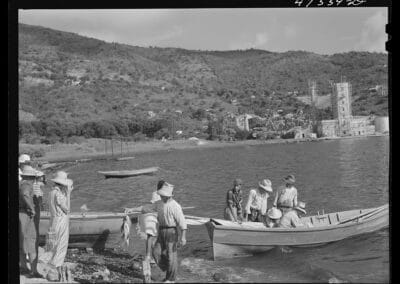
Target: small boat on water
(128, 173)
(125, 158)
(231, 239)
(90, 229)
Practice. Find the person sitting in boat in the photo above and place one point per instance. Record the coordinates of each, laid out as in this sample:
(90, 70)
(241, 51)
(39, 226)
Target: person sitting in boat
(286, 196)
(233, 210)
(256, 207)
(290, 219)
(273, 217)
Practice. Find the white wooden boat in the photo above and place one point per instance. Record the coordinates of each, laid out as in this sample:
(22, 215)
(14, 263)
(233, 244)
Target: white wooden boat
(128, 173)
(231, 239)
(90, 229)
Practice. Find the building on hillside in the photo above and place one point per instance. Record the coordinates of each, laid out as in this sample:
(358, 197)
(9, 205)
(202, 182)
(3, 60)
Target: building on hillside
(242, 122)
(344, 124)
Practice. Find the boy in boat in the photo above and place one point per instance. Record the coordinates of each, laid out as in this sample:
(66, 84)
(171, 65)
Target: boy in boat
(286, 197)
(256, 207)
(170, 221)
(290, 219)
(274, 215)
(233, 210)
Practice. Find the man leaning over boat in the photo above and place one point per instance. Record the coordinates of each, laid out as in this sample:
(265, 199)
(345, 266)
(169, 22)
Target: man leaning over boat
(256, 207)
(290, 219)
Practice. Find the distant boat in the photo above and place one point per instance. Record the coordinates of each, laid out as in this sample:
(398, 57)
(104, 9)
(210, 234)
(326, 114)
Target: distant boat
(128, 173)
(125, 158)
(231, 239)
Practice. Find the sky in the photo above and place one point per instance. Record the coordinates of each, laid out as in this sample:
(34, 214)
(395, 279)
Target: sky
(319, 30)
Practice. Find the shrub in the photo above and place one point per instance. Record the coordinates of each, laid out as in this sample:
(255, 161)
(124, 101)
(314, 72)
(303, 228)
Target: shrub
(242, 134)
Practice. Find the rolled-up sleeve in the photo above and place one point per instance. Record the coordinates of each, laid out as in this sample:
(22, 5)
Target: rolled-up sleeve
(180, 218)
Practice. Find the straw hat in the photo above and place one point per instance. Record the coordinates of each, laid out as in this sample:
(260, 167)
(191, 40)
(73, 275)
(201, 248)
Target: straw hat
(266, 185)
(24, 158)
(29, 171)
(300, 207)
(274, 213)
(290, 179)
(61, 178)
(155, 197)
(166, 190)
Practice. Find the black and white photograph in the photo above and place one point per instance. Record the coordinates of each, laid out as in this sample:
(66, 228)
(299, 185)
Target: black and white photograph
(204, 145)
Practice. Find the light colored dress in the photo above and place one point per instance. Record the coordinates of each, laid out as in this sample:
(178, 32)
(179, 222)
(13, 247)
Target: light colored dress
(148, 220)
(59, 224)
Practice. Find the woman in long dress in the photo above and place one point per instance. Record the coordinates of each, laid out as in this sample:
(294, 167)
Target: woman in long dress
(59, 205)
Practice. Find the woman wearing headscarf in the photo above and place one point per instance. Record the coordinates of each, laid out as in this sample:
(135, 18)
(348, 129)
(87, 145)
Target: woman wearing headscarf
(233, 209)
(59, 205)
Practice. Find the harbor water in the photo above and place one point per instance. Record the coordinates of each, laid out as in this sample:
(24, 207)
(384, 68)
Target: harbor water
(333, 175)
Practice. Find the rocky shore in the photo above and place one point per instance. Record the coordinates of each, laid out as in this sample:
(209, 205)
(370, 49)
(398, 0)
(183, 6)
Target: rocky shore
(88, 266)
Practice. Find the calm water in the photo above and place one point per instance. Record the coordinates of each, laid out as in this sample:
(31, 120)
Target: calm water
(331, 175)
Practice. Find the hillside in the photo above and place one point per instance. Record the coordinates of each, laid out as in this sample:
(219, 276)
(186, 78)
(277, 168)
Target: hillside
(70, 79)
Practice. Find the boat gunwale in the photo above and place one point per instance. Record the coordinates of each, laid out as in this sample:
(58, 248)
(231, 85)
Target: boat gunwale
(299, 229)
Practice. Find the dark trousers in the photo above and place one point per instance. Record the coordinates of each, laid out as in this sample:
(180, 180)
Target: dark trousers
(27, 238)
(255, 215)
(168, 261)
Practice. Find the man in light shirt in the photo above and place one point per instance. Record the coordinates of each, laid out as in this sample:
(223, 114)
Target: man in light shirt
(171, 221)
(256, 207)
(290, 219)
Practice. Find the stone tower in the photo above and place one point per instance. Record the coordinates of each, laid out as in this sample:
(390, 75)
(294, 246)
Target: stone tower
(341, 106)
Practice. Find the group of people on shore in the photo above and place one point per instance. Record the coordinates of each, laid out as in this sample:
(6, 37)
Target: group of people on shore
(31, 203)
(284, 212)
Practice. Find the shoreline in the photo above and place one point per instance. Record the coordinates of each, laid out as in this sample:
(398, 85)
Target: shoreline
(90, 150)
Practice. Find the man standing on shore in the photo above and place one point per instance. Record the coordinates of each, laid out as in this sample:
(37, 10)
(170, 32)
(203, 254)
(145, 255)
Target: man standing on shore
(170, 221)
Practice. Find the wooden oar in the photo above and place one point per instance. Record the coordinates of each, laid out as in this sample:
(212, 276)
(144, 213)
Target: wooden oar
(372, 212)
(139, 209)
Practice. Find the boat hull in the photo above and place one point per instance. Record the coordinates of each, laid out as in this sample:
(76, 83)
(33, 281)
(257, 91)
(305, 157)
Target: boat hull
(124, 174)
(97, 230)
(233, 240)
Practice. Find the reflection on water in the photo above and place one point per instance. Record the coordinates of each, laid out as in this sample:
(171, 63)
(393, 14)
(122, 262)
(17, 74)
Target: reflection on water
(331, 175)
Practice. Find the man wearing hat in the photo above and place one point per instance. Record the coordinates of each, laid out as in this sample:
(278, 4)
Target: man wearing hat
(170, 218)
(273, 217)
(233, 209)
(28, 209)
(256, 207)
(286, 196)
(23, 160)
(291, 219)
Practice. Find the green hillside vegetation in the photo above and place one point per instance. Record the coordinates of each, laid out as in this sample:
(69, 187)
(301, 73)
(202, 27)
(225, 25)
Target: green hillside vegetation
(78, 86)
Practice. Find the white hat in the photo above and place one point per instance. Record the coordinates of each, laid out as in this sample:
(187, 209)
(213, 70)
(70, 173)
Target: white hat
(166, 190)
(300, 207)
(61, 178)
(274, 213)
(29, 171)
(24, 158)
(155, 197)
(266, 185)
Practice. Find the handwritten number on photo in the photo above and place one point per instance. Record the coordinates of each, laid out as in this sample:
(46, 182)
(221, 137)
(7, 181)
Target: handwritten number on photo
(330, 3)
(320, 3)
(298, 2)
(338, 2)
(309, 3)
